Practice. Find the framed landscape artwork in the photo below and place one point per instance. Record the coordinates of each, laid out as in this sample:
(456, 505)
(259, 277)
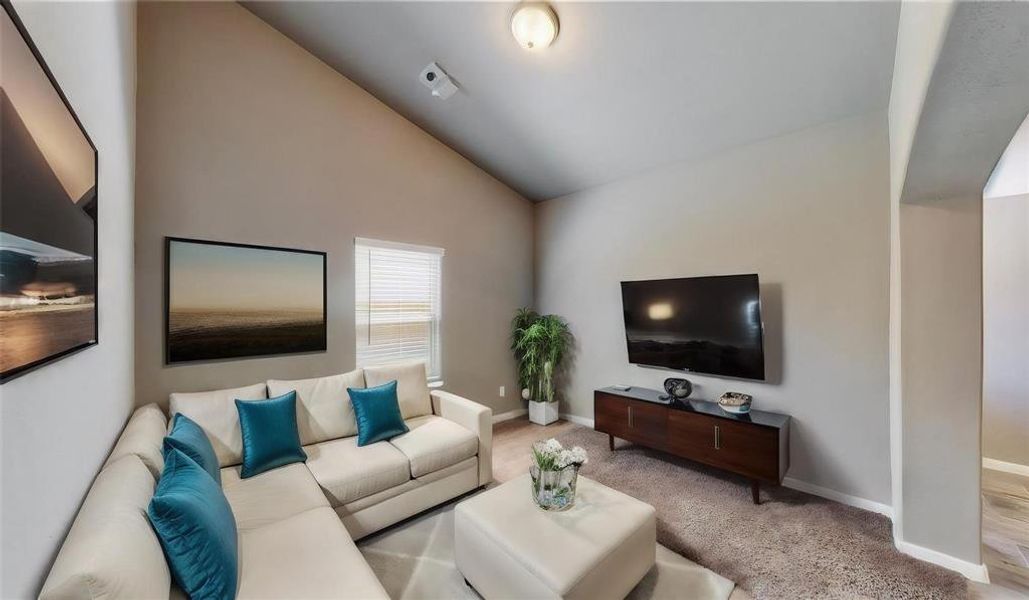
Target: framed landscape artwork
(48, 213)
(234, 300)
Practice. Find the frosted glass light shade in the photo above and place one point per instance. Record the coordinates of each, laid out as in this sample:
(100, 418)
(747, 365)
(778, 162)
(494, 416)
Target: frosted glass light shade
(534, 26)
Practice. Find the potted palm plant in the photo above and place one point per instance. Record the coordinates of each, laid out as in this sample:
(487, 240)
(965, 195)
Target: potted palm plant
(540, 344)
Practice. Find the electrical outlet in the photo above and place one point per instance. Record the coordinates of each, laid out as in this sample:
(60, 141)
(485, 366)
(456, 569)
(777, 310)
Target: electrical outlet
(501, 391)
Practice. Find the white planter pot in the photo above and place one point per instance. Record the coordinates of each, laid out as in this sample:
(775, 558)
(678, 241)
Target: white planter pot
(543, 413)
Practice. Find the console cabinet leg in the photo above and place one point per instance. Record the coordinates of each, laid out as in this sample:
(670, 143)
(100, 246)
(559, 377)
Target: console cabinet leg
(611, 442)
(755, 491)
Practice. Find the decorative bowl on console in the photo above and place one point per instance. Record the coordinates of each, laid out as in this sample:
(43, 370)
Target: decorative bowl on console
(735, 403)
(678, 388)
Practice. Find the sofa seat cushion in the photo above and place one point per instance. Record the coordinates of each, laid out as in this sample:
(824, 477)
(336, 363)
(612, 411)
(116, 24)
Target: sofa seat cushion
(434, 443)
(347, 472)
(271, 496)
(309, 555)
(110, 532)
(142, 437)
(215, 412)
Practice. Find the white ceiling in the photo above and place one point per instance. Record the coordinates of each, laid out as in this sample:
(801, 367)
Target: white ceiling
(625, 88)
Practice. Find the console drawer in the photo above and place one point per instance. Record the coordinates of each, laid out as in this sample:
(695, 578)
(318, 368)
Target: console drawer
(690, 435)
(611, 414)
(648, 423)
(632, 420)
(746, 449)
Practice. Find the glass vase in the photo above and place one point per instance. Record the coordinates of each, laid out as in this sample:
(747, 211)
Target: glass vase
(554, 490)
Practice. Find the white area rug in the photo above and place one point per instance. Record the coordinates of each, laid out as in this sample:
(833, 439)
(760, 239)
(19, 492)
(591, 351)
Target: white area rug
(415, 561)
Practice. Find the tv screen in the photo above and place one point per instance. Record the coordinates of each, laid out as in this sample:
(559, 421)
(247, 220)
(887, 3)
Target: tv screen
(702, 324)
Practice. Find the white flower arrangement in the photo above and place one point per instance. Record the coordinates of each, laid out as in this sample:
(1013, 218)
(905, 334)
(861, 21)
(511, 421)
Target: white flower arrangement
(550, 455)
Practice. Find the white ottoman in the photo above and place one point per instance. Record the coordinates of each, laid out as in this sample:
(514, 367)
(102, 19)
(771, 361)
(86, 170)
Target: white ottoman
(506, 547)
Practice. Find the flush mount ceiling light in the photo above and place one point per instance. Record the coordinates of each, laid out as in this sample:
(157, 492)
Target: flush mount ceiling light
(534, 25)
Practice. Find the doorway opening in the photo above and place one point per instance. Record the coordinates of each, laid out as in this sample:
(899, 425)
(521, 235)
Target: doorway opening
(1005, 418)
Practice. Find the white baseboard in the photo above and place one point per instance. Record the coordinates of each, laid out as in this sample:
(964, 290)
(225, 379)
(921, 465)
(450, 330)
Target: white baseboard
(969, 570)
(578, 420)
(1007, 467)
(511, 414)
(521, 412)
(855, 501)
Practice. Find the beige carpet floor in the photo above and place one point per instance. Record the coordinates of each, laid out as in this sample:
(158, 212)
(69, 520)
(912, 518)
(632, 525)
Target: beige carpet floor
(793, 545)
(415, 561)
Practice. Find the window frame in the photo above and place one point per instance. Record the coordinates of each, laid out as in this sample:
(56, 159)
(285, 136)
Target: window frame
(433, 375)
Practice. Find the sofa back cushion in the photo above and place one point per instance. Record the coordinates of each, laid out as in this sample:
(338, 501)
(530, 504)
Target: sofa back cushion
(111, 550)
(142, 437)
(412, 386)
(187, 437)
(324, 411)
(215, 412)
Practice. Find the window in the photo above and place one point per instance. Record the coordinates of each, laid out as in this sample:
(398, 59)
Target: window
(397, 304)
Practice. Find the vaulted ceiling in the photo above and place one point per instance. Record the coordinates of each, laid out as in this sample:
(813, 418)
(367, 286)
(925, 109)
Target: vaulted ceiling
(976, 100)
(625, 88)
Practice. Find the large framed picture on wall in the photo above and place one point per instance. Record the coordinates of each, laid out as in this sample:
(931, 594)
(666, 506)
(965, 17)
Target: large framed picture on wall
(225, 300)
(48, 213)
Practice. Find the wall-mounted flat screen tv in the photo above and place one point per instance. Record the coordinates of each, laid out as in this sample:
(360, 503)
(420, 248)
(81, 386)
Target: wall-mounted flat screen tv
(48, 213)
(706, 325)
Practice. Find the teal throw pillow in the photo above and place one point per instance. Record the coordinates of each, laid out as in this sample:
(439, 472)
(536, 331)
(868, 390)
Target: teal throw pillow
(378, 413)
(196, 528)
(188, 437)
(270, 437)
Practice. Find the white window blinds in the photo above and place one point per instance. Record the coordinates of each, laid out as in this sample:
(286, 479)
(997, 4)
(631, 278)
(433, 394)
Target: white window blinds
(397, 304)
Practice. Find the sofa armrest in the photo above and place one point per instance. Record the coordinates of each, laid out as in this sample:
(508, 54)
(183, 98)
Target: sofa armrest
(472, 416)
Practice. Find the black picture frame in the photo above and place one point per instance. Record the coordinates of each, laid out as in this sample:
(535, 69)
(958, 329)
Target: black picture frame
(18, 371)
(169, 355)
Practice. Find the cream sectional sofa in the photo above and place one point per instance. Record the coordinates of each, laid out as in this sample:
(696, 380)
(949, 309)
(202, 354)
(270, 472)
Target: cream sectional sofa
(297, 524)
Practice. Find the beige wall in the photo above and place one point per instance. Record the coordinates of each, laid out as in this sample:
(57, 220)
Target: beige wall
(920, 35)
(60, 421)
(941, 358)
(935, 327)
(1006, 328)
(245, 137)
(809, 213)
